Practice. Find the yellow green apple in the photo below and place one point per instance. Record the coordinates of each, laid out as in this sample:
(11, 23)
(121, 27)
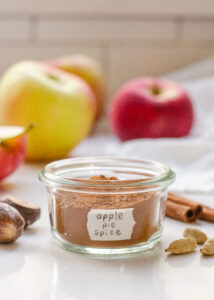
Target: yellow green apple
(61, 106)
(90, 71)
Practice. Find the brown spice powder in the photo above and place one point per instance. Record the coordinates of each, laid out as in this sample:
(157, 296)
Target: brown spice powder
(72, 210)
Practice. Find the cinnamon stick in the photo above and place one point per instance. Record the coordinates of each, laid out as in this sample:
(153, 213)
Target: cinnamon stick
(180, 212)
(207, 213)
(202, 211)
(197, 207)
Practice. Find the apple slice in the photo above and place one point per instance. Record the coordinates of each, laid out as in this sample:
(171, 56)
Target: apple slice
(13, 145)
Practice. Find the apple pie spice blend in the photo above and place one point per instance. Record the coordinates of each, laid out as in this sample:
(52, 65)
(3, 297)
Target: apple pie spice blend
(106, 220)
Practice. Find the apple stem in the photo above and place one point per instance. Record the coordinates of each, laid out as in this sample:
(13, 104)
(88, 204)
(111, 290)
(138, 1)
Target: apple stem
(28, 128)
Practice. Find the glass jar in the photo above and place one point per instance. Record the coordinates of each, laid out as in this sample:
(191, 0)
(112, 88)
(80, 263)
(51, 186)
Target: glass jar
(106, 205)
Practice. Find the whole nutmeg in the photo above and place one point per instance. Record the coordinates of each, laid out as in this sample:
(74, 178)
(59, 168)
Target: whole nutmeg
(11, 223)
(29, 211)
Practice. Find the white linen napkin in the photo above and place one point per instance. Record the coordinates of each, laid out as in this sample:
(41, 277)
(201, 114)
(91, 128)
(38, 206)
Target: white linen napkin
(191, 159)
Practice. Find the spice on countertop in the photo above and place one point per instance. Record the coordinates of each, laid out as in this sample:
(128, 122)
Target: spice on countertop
(193, 236)
(208, 247)
(15, 215)
(29, 211)
(182, 246)
(186, 201)
(187, 210)
(207, 213)
(179, 212)
(195, 233)
(11, 223)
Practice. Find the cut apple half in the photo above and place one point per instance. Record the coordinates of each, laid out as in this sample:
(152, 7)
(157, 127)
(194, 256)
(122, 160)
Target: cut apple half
(13, 145)
(10, 132)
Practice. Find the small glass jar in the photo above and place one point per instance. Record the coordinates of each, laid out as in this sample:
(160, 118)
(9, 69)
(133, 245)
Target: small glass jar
(106, 205)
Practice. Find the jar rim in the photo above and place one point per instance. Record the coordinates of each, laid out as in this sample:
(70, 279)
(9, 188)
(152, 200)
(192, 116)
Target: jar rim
(165, 177)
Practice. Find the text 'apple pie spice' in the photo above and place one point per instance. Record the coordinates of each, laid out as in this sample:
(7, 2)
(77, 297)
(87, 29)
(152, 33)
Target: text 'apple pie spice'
(106, 219)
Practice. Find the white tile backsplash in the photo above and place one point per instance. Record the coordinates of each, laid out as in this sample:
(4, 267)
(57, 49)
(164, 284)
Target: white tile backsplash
(128, 38)
(104, 30)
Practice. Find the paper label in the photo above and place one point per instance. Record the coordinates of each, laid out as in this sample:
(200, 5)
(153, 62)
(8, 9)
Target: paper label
(110, 224)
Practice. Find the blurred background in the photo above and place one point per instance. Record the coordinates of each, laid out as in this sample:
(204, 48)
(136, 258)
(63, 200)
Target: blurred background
(128, 38)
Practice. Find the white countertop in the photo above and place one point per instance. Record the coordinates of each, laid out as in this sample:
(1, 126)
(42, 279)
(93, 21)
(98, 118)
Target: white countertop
(35, 268)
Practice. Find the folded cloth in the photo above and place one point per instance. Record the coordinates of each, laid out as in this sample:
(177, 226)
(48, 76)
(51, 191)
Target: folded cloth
(201, 92)
(192, 158)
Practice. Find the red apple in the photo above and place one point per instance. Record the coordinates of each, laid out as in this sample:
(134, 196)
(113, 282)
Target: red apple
(90, 71)
(13, 145)
(151, 108)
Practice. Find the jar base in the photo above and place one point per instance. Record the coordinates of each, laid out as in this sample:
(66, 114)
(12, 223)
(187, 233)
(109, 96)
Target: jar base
(101, 251)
